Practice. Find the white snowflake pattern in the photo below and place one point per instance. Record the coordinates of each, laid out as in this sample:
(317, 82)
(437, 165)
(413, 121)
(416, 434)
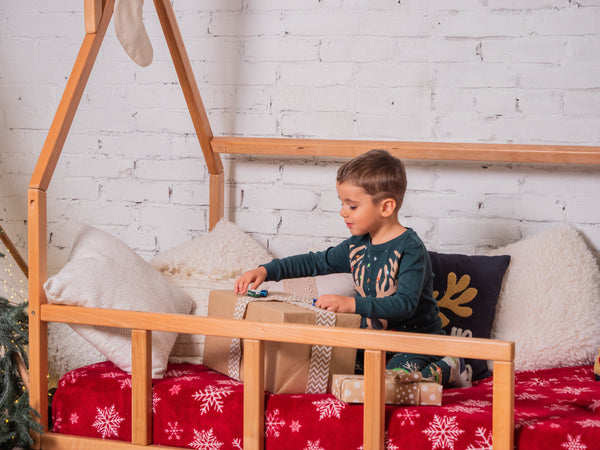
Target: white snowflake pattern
(522, 414)
(329, 407)
(559, 407)
(190, 377)
(443, 432)
(465, 409)
(237, 443)
(579, 378)
(573, 443)
(589, 423)
(211, 397)
(74, 418)
(310, 445)
(173, 431)
(295, 426)
(593, 406)
(531, 423)
(453, 393)
(530, 396)
(177, 373)
(113, 375)
(72, 377)
(229, 382)
(205, 440)
(389, 444)
(155, 400)
(477, 403)
(174, 390)
(483, 440)
(408, 416)
(572, 390)
(125, 383)
(57, 425)
(108, 421)
(541, 382)
(273, 423)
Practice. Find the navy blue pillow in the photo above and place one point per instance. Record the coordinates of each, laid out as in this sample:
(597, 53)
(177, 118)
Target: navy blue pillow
(467, 289)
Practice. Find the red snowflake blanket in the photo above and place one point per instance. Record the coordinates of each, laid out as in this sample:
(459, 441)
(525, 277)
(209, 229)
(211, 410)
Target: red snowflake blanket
(195, 407)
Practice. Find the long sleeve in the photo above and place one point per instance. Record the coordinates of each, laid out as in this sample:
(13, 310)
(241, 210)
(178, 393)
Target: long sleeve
(332, 260)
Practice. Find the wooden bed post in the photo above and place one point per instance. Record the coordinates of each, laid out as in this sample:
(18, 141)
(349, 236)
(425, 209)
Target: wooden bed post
(92, 13)
(374, 407)
(503, 405)
(183, 67)
(216, 205)
(254, 396)
(37, 213)
(38, 336)
(141, 387)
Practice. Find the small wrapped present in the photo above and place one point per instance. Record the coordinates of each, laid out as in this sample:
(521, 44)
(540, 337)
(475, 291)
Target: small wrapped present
(401, 388)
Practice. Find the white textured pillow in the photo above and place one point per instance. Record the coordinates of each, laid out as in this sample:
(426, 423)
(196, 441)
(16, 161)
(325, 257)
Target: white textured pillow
(549, 304)
(103, 272)
(224, 253)
(211, 261)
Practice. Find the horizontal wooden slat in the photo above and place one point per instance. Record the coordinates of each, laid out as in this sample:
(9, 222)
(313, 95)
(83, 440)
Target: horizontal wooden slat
(439, 151)
(53, 441)
(309, 334)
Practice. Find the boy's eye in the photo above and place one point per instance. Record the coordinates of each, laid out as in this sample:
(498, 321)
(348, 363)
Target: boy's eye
(352, 207)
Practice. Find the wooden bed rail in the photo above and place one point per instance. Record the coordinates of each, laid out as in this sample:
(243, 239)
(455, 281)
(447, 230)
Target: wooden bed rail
(438, 151)
(255, 334)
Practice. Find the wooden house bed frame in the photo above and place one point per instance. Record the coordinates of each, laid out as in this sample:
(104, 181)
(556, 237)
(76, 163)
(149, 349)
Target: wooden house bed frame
(97, 17)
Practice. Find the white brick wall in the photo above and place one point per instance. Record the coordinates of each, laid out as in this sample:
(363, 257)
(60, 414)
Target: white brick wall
(448, 70)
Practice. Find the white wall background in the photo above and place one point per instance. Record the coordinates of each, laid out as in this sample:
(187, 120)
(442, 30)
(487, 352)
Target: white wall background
(519, 71)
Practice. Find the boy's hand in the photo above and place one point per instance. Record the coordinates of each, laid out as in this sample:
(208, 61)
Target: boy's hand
(336, 303)
(253, 277)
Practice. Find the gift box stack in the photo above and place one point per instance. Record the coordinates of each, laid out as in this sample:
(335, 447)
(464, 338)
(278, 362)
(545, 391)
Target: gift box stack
(286, 365)
(401, 388)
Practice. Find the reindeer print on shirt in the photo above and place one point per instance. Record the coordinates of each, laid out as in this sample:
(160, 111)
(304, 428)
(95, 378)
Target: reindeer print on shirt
(374, 275)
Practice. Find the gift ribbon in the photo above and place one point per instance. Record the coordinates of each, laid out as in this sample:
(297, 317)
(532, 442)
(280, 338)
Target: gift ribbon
(320, 356)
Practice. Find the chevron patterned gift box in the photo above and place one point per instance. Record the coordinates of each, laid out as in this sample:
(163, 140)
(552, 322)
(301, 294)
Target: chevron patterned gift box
(290, 368)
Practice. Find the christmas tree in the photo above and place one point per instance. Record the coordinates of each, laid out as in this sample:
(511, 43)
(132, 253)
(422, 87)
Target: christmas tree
(17, 419)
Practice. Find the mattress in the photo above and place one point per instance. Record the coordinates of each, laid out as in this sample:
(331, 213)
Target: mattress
(195, 407)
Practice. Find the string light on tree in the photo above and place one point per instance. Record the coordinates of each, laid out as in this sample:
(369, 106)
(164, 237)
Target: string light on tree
(17, 419)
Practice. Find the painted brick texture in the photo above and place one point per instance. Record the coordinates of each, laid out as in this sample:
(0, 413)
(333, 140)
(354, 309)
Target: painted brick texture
(443, 70)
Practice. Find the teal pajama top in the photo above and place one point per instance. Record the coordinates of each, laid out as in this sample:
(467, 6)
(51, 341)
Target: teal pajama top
(392, 281)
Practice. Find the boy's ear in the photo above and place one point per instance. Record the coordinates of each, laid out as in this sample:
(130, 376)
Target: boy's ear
(387, 207)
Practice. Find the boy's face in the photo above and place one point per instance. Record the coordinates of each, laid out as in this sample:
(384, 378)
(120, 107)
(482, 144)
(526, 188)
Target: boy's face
(360, 213)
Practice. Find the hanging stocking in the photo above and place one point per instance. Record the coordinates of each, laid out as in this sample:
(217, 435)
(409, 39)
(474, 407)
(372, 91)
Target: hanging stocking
(131, 32)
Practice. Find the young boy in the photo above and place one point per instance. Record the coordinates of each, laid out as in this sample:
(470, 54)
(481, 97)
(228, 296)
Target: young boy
(389, 263)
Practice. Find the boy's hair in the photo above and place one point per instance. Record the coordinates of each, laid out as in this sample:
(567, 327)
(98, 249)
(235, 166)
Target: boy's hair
(380, 174)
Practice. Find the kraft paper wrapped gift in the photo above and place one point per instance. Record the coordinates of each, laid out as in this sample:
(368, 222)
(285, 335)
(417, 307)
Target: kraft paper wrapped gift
(286, 365)
(400, 389)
